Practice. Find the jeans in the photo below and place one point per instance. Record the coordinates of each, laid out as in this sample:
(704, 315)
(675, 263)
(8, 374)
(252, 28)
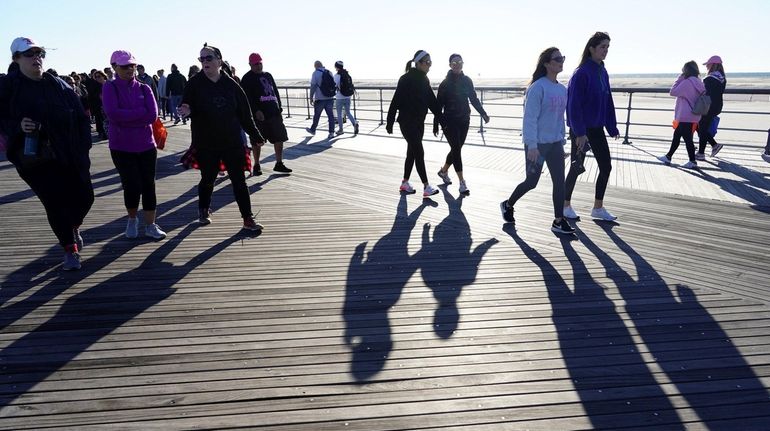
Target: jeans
(344, 103)
(320, 106)
(174, 102)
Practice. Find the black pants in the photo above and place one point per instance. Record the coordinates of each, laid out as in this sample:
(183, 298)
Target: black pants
(137, 174)
(683, 130)
(552, 155)
(601, 150)
(99, 120)
(415, 154)
(704, 136)
(163, 107)
(65, 194)
(208, 161)
(456, 131)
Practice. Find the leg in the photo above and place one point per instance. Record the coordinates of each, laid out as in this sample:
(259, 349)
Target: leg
(413, 134)
(408, 133)
(147, 165)
(339, 104)
(675, 141)
(569, 182)
(208, 162)
(703, 133)
(233, 158)
(278, 147)
(329, 108)
(346, 104)
(601, 150)
(554, 158)
(51, 183)
(529, 183)
(318, 108)
(129, 169)
(688, 140)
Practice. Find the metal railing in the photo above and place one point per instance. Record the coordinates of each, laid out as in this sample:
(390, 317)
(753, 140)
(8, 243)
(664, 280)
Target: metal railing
(505, 106)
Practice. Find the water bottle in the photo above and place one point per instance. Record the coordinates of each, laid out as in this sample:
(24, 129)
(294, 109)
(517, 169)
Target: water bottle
(579, 159)
(31, 143)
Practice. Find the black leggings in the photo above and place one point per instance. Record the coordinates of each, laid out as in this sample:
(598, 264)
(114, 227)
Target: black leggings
(553, 156)
(704, 136)
(415, 154)
(601, 150)
(683, 130)
(65, 194)
(137, 174)
(208, 161)
(456, 131)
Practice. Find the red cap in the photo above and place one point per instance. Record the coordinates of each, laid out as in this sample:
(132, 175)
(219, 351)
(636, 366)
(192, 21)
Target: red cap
(255, 58)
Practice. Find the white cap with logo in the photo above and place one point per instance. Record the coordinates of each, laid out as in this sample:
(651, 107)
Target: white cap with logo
(21, 44)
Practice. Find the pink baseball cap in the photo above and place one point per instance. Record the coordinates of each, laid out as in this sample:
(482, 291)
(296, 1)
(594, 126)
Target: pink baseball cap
(255, 58)
(715, 59)
(122, 58)
(21, 44)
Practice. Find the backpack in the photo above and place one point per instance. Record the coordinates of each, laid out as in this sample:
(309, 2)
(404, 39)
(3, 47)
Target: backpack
(328, 87)
(346, 84)
(702, 104)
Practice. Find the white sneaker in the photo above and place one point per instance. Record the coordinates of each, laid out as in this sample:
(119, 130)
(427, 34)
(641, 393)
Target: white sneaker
(464, 188)
(664, 159)
(444, 177)
(429, 191)
(132, 228)
(570, 213)
(154, 231)
(602, 214)
(690, 165)
(406, 188)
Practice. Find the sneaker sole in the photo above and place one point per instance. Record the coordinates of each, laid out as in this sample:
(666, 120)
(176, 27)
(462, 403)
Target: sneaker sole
(603, 219)
(557, 230)
(435, 192)
(408, 192)
(253, 229)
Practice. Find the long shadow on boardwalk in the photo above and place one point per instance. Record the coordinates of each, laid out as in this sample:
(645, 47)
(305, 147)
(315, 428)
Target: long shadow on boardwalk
(688, 344)
(598, 349)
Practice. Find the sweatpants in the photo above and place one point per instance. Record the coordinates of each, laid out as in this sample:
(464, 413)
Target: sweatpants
(601, 150)
(137, 174)
(208, 162)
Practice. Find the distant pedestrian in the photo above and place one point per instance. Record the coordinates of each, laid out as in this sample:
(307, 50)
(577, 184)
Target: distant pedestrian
(265, 102)
(715, 83)
(108, 74)
(143, 77)
(590, 109)
(322, 91)
(130, 106)
(95, 102)
(219, 109)
(194, 70)
(687, 89)
(175, 84)
(454, 92)
(543, 135)
(48, 138)
(163, 106)
(411, 100)
(345, 90)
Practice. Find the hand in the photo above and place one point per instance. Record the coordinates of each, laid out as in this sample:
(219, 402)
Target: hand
(184, 110)
(312, 102)
(533, 155)
(260, 116)
(616, 137)
(435, 130)
(28, 125)
(485, 117)
(389, 129)
(255, 142)
(580, 142)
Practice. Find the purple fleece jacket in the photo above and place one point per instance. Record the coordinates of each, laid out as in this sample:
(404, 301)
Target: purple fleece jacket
(131, 109)
(589, 100)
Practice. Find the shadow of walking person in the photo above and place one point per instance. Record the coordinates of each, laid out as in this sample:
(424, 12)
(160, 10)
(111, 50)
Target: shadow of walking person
(448, 263)
(373, 286)
(688, 344)
(615, 386)
(87, 317)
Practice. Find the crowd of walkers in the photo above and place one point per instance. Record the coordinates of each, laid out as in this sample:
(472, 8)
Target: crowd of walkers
(45, 124)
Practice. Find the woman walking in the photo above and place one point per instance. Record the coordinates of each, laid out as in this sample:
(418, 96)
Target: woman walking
(49, 136)
(687, 89)
(453, 95)
(590, 110)
(412, 99)
(131, 109)
(543, 135)
(218, 108)
(715, 83)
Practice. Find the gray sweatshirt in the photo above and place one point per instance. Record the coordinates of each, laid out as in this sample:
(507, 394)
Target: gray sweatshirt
(544, 106)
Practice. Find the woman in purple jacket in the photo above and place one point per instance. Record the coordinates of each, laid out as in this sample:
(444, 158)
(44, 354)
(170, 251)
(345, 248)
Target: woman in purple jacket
(590, 109)
(687, 88)
(131, 109)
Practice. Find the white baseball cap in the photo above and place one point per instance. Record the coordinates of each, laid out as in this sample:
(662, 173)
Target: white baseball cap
(21, 44)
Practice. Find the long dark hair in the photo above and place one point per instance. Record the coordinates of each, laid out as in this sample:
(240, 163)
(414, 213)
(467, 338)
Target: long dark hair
(690, 69)
(408, 63)
(544, 58)
(593, 42)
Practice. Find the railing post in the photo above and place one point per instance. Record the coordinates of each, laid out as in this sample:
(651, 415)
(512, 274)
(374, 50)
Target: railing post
(288, 104)
(628, 119)
(381, 118)
(481, 119)
(307, 102)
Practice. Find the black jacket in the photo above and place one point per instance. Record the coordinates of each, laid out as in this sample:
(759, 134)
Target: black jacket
(262, 92)
(715, 87)
(412, 99)
(453, 95)
(218, 111)
(53, 104)
(175, 83)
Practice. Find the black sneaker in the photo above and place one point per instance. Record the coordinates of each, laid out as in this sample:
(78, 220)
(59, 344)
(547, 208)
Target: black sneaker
(562, 226)
(280, 167)
(507, 211)
(250, 224)
(204, 216)
(257, 171)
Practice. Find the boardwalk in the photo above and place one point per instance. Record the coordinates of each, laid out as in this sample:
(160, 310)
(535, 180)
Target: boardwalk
(359, 309)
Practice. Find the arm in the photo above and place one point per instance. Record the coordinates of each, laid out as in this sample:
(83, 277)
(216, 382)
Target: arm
(576, 95)
(441, 99)
(679, 88)
(433, 104)
(611, 120)
(314, 83)
(475, 101)
(395, 104)
(275, 90)
(532, 106)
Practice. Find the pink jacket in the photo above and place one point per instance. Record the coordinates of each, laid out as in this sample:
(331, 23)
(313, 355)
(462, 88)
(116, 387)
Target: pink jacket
(686, 92)
(130, 107)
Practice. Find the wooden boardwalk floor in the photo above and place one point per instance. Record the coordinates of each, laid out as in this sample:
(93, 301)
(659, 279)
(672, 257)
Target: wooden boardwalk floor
(359, 309)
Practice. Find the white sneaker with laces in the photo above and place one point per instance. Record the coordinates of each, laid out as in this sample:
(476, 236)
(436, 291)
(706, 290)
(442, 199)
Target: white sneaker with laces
(132, 228)
(406, 188)
(429, 191)
(154, 231)
(570, 213)
(445, 177)
(690, 165)
(464, 188)
(664, 159)
(602, 214)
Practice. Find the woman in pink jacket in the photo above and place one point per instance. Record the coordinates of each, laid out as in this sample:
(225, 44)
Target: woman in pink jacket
(131, 109)
(687, 88)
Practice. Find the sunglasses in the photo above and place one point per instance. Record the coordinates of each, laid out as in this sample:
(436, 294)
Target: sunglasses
(30, 53)
(127, 66)
(559, 59)
(456, 63)
(206, 58)
(428, 62)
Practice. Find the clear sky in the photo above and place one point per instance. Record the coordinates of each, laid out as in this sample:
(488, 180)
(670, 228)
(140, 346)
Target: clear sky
(498, 39)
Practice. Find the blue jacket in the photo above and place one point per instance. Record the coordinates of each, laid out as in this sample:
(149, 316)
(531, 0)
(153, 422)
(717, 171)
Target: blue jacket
(589, 100)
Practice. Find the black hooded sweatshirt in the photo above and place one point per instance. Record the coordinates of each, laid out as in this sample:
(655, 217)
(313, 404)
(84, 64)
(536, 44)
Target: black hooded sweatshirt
(412, 99)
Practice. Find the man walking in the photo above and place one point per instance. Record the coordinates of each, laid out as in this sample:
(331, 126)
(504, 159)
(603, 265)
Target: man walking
(175, 84)
(322, 91)
(345, 90)
(144, 78)
(266, 108)
(162, 107)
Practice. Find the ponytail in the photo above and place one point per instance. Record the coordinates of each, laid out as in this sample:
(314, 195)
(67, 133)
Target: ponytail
(408, 66)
